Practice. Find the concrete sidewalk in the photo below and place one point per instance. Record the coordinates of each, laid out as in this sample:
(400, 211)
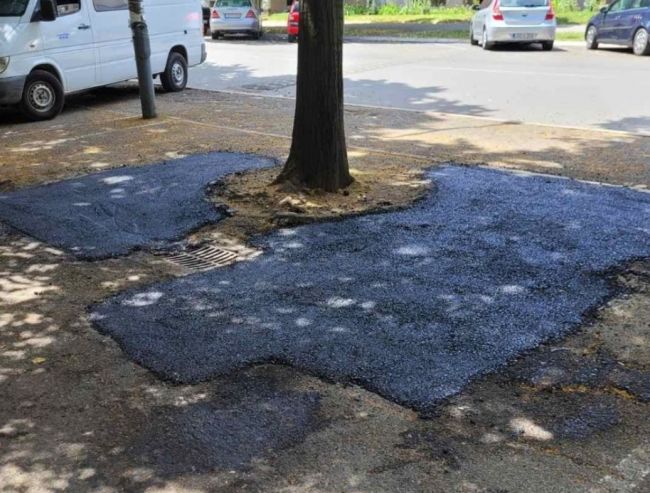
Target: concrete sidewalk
(102, 129)
(78, 416)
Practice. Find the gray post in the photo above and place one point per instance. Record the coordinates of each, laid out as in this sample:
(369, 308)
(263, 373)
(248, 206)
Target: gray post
(142, 58)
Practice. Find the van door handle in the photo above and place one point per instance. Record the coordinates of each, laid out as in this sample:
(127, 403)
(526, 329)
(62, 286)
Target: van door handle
(83, 27)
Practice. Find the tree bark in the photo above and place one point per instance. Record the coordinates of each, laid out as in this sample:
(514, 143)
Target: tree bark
(318, 156)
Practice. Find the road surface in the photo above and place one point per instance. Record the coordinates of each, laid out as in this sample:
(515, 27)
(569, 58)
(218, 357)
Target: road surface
(568, 87)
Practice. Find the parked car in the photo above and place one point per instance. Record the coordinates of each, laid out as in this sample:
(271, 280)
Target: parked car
(624, 22)
(235, 17)
(51, 48)
(293, 22)
(513, 21)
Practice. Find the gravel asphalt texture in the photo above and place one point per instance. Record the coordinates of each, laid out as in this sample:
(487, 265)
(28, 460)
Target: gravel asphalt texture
(111, 213)
(410, 304)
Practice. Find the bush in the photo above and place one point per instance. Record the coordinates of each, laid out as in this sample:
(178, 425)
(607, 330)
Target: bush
(356, 10)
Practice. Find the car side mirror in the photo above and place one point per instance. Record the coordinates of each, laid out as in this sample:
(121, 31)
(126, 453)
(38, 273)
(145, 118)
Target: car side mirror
(603, 10)
(476, 7)
(48, 10)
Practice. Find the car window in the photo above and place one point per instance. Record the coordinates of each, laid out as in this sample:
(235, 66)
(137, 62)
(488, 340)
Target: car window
(233, 3)
(524, 3)
(618, 6)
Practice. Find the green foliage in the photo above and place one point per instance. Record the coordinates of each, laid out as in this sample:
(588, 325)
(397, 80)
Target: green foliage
(356, 10)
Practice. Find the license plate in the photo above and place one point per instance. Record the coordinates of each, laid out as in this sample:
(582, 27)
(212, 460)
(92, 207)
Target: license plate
(524, 36)
(232, 16)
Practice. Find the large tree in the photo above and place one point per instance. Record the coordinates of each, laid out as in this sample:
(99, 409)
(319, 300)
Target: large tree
(318, 156)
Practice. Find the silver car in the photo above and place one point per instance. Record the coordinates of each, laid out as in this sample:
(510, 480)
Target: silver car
(235, 17)
(513, 21)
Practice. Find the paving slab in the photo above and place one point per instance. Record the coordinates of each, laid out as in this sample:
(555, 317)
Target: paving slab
(114, 212)
(411, 304)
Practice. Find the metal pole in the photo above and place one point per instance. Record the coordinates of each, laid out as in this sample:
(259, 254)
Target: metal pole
(142, 58)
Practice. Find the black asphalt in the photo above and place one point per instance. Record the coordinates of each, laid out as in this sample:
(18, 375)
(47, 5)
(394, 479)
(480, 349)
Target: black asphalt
(410, 304)
(111, 213)
(227, 431)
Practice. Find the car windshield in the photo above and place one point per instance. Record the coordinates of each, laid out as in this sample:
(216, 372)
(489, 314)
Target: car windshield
(524, 3)
(12, 8)
(233, 3)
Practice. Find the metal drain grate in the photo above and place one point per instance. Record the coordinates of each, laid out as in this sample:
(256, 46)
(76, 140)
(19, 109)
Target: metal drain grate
(205, 258)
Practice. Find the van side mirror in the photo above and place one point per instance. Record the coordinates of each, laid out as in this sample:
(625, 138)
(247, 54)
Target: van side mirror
(48, 10)
(476, 7)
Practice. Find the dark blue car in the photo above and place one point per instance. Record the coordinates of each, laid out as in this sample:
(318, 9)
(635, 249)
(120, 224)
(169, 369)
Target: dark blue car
(624, 22)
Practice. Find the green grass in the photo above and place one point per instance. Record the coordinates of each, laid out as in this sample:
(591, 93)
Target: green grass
(354, 31)
(443, 15)
(361, 32)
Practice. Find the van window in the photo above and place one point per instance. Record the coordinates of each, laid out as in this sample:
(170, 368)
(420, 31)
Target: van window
(67, 7)
(13, 8)
(108, 5)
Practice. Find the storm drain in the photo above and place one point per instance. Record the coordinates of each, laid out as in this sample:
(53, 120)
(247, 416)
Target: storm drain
(205, 258)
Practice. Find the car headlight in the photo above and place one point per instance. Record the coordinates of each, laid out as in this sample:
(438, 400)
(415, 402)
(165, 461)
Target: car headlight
(4, 63)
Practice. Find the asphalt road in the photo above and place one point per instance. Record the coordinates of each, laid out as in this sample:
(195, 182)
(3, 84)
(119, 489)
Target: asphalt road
(569, 86)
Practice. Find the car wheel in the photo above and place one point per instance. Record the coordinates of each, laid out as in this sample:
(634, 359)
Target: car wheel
(174, 78)
(292, 38)
(592, 38)
(473, 41)
(641, 45)
(43, 96)
(257, 35)
(547, 45)
(486, 44)
(216, 35)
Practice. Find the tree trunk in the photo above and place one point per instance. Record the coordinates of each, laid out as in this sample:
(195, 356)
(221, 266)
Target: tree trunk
(318, 156)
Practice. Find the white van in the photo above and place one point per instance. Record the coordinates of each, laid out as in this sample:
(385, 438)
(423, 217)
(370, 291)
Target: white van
(50, 48)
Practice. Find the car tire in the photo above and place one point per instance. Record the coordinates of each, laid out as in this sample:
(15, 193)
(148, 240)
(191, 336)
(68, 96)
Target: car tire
(292, 38)
(216, 35)
(547, 45)
(486, 44)
(641, 43)
(174, 78)
(591, 38)
(257, 35)
(43, 96)
(473, 41)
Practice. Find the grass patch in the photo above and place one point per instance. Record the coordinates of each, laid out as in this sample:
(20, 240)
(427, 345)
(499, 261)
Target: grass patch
(352, 31)
(442, 15)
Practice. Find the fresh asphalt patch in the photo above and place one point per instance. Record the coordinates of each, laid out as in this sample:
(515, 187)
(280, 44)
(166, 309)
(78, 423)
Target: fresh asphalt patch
(226, 433)
(409, 304)
(113, 212)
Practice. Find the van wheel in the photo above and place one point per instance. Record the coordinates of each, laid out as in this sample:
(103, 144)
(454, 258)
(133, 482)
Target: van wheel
(641, 44)
(292, 38)
(174, 78)
(43, 96)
